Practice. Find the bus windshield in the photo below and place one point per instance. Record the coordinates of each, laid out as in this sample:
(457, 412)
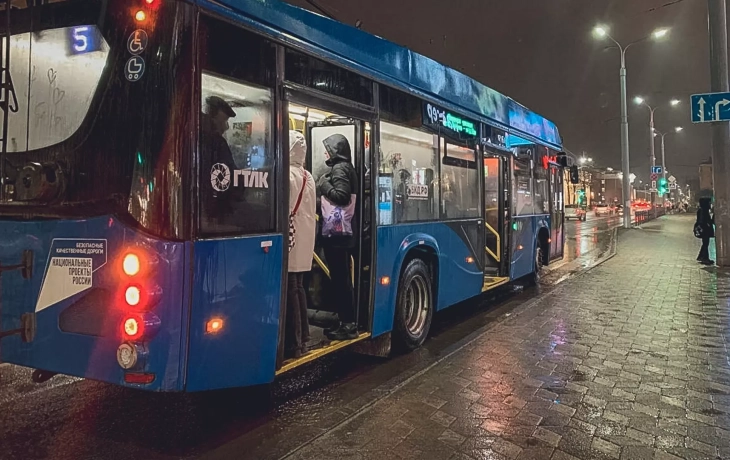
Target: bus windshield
(81, 138)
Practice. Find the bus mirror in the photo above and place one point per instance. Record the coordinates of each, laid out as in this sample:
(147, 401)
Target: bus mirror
(574, 177)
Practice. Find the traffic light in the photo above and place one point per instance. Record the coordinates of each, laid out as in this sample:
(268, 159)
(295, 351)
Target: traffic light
(574, 175)
(662, 187)
(582, 196)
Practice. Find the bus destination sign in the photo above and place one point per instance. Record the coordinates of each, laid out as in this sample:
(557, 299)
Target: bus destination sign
(437, 118)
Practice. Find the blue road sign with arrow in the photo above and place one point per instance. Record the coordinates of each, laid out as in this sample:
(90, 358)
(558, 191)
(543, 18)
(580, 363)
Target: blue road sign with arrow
(710, 107)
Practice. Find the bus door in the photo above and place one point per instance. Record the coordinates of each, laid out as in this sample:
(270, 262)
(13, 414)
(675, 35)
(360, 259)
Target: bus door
(557, 213)
(318, 120)
(495, 214)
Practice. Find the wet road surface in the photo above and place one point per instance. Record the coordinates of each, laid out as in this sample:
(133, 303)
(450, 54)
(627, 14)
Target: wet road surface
(626, 361)
(70, 418)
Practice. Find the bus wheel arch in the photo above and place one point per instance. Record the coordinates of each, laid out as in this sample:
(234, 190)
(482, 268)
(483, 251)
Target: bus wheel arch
(415, 301)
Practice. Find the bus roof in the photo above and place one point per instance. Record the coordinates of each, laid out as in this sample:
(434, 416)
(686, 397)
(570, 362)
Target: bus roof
(387, 62)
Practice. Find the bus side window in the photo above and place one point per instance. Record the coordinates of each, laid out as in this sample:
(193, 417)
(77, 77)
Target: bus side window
(522, 193)
(237, 176)
(459, 182)
(409, 160)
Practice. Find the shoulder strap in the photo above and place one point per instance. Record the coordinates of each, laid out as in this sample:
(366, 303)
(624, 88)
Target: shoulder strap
(301, 193)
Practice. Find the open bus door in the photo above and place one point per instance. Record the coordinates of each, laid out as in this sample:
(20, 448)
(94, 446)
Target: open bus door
(496, 209)
(318, 120)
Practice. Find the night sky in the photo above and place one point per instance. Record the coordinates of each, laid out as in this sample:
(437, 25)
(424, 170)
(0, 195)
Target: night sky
(542, 53)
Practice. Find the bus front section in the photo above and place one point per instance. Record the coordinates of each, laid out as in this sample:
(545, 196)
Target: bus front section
(95, 141)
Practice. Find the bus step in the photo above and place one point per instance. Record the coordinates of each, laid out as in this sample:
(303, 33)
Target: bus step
(320, 352)
(491, 282)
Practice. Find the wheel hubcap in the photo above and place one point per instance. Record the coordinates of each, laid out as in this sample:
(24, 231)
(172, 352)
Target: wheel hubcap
(417, 305)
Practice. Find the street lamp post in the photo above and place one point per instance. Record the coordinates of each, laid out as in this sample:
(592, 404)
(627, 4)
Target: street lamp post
(652, 134)
(663, 135)
(642, 101)
(625, 166)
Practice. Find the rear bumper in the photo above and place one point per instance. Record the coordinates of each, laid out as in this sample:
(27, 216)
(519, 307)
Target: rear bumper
(76, 295)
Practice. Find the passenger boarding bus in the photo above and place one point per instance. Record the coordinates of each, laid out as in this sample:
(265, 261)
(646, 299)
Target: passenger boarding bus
(131, 254)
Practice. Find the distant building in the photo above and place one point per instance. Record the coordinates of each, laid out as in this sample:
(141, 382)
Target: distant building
(608, 188)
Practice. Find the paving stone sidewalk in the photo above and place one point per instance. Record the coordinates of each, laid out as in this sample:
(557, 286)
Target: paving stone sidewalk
(627, 361)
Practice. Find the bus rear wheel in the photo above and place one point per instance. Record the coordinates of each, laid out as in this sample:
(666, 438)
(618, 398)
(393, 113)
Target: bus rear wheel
(539, 263)
(414, 306)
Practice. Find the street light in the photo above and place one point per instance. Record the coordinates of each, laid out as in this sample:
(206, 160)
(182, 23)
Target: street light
(652, 132)
(664, 164)
(602, 32)
(660, 33)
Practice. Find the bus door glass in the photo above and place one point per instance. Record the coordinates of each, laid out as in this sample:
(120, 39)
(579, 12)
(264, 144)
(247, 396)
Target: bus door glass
(557, 213)
(319, 125)
(494, 213)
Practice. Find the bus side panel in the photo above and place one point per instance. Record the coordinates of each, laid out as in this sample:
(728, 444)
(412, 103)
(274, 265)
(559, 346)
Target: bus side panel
(457, 280)
(523, 246)
(525, 237)
(239, 282)
(187, 302)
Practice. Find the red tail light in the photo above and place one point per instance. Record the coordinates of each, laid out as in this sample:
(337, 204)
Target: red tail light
(142, 379)
(136, 265)
(132, 327)
(137, 262)
(131, 264)
(136, 327)
(133, 295)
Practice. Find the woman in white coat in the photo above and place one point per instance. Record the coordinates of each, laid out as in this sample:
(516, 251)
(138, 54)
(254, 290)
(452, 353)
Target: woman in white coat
(302, 205)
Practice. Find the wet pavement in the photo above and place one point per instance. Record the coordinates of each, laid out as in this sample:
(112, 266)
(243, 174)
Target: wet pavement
(626, 361)
(68, 418)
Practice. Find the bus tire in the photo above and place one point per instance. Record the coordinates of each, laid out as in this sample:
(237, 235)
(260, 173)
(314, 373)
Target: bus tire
(539, 263)
(414, 306)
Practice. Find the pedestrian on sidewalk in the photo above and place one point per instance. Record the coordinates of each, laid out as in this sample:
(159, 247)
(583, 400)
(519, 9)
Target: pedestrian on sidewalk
(705, 229)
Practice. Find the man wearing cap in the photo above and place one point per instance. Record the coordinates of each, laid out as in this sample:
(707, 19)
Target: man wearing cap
(214, 124)
(215, 149)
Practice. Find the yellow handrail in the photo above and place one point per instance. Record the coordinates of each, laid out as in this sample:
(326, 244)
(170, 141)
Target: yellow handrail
(322, 265)
(326, 270)
(499, 243)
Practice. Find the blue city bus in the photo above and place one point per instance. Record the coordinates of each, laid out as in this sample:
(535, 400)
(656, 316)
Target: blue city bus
(130, 255)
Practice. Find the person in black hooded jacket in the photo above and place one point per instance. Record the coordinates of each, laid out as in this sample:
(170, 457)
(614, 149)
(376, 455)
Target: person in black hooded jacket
(706, 221)
(338, 186)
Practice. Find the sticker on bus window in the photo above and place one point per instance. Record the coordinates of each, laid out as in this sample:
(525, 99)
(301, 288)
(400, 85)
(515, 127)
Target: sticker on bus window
(70, 269)
(417, 192)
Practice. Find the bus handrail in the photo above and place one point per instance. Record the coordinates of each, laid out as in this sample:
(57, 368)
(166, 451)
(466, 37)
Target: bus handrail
(499, 243)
